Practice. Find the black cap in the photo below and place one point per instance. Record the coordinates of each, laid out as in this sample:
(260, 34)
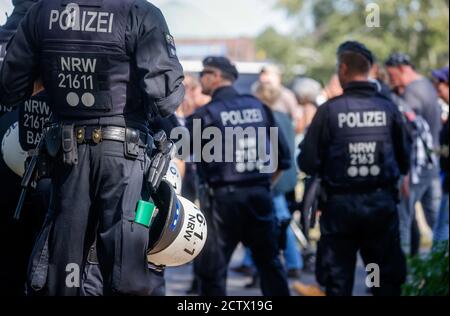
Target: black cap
(398, 59)
(223, 64)
(358, 48)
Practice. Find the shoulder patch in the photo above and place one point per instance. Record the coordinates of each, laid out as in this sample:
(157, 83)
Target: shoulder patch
(170, 42)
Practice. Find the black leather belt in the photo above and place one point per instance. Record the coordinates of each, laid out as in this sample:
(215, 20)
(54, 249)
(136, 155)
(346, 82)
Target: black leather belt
(97, 134)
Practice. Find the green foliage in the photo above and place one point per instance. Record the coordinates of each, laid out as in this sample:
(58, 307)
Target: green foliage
(278, 47)
(429, 276)
(417, 27)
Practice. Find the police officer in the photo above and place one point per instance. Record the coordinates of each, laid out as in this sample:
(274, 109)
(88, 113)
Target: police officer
(357, 144)
(240, 194)
(108, 67)
(17, 135)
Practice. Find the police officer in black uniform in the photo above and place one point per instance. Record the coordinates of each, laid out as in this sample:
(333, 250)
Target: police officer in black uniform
(108, 67)
(28, 118)
(240, 194)
(358, 145)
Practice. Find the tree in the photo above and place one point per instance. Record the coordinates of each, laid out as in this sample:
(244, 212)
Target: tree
(417, 27)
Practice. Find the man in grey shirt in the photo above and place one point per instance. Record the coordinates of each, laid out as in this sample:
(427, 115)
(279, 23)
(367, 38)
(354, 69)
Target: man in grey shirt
(420, 104)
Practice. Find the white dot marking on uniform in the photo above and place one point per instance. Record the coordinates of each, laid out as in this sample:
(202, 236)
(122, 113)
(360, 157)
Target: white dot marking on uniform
(375, 171)
(88, 99)
(251, 166)
(364, 171)
(240, 167)
(73, 99)
(352, 172)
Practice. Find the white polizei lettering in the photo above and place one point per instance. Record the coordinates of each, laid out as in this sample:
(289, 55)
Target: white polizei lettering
(111, 19)
(83, 21)
(88, 27)
(63, 22)
(74, 10)
(342, 118)
(54, 17)
(241, 117)
(74, 19)
(381, 119)
(102, 21)
(362, 120)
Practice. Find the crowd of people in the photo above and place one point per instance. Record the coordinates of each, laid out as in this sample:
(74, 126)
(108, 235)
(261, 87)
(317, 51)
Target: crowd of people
(423, 102)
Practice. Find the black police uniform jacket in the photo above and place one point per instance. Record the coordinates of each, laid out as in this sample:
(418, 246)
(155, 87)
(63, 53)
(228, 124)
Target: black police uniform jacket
(357, 141)
(228, 109)
(102, 62)
(30, 124)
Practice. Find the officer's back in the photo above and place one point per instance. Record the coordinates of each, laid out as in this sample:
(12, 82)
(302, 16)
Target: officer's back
(93, 58)
(230, 111)
(108, 67)
(12, 120)
(357, 144)
(238, 178)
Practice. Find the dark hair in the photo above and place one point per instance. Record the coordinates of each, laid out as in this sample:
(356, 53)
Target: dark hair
(227, 76)
(356, 63)
(398, 59)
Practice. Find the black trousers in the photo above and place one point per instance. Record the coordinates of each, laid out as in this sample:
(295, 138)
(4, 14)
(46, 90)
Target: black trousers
(92, 284)
(365, 223)
(241, 215)
(96, 199)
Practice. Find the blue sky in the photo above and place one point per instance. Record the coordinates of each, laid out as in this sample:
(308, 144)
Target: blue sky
(231, 18)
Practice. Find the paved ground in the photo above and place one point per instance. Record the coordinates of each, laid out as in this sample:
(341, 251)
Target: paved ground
(179, 280)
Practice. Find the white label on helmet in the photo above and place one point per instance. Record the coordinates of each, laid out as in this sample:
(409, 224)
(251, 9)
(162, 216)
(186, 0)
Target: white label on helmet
(190, 240)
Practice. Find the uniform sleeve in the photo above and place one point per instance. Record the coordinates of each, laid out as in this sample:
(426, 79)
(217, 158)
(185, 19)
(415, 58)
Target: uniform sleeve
(284, 153)
(402, 142)
(20, 68)
(159, 69)
(311, 149)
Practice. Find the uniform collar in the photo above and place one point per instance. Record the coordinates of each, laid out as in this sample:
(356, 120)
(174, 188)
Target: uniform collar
(361, 88)
(224, 93)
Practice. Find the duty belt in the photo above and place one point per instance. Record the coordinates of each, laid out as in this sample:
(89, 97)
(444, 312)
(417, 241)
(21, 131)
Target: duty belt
(358, 190)
(96, 134)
